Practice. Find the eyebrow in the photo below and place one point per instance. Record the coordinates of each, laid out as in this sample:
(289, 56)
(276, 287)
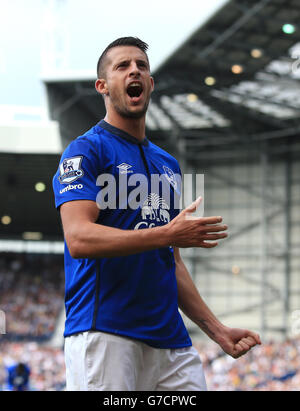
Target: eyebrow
(127, 61)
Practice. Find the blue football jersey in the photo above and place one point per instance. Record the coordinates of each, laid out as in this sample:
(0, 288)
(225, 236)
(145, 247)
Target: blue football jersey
(18, 377)
(135, 295)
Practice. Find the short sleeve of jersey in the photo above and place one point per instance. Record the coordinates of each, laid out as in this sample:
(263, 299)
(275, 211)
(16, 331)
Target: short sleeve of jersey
(77, 173)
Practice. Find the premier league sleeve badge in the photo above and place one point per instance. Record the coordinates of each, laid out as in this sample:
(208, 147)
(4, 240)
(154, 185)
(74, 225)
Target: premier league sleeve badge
(70, 170)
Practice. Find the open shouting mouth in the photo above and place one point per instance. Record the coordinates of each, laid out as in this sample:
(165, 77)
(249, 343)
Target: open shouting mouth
(135, 91)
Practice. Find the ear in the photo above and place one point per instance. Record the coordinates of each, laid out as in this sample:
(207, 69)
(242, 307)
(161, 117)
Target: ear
(152, 83)
(101, 87)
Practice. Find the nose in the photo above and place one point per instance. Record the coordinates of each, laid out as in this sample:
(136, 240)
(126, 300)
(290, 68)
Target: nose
(134, 70)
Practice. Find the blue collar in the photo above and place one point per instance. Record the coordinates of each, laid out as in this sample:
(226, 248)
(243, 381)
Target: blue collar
(118, 132)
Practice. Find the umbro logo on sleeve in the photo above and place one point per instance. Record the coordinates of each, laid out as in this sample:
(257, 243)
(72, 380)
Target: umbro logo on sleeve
(71, 187)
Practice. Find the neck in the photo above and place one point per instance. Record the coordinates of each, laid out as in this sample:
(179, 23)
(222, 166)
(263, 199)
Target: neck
(136, 127)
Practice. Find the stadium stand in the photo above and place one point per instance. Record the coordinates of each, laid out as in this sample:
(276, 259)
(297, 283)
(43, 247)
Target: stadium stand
(46, 364)
(274, 366)
(31, 293)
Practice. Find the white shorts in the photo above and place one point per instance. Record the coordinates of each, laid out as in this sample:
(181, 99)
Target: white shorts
(97, 361)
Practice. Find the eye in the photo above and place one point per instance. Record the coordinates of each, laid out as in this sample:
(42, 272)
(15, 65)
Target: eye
(142, 64)
(121, 65)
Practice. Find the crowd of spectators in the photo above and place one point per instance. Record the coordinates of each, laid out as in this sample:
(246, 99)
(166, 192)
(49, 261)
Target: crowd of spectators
(31, 294)
(273, 366)
(32, 297)
(46, 364)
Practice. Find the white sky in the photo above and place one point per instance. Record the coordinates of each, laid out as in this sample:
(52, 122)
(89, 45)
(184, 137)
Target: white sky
(85, 28)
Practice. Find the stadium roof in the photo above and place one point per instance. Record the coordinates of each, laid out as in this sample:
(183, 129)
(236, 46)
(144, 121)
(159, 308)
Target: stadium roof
(236, 76)
(235, 80)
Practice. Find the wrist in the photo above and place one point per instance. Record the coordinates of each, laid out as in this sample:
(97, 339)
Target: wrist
(214, 329)
(220, 333)
(163, 235)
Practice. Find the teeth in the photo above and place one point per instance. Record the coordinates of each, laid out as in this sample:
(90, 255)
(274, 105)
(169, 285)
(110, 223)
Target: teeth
(134, 89)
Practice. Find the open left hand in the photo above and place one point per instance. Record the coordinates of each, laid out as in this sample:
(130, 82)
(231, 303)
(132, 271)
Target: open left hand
(237, 342)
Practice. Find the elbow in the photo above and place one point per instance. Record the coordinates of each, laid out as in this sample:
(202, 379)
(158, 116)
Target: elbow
(75, 245)
(75, 249)
(78, 249)
(81, 246)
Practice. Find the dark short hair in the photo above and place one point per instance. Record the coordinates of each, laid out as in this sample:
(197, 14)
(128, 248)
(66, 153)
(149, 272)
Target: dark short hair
(122, 41)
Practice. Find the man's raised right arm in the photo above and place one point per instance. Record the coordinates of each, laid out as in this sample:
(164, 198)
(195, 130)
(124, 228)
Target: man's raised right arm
(87, 239)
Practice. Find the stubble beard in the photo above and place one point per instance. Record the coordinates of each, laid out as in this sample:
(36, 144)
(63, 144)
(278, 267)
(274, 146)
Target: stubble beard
(124, 112)
(132, 114)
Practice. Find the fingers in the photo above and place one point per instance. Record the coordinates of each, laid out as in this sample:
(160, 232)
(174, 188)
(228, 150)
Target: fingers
(242, 347)
(193, 207)
(255, 336)
(207, 245)
(208, 240)
(199, 231)
(203, 220)
(214, 228)
(213, 236)
(249, 341)
(245, 344)
(211, 220)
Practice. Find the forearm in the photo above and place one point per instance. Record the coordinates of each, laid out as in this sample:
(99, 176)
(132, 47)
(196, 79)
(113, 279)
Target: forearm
(193, 306)
(90, 240)
(87, 239)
